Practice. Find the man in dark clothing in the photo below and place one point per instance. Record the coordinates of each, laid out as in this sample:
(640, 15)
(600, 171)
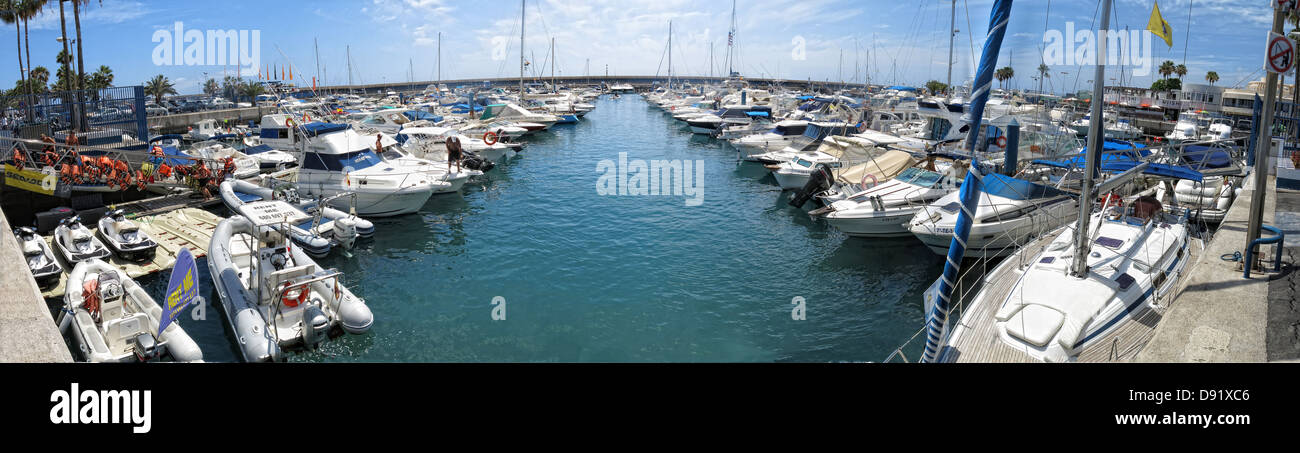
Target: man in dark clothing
(454, 153)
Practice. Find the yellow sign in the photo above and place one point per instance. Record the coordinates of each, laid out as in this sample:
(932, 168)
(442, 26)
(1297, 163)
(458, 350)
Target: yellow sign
(33, 180)
(1159, 27)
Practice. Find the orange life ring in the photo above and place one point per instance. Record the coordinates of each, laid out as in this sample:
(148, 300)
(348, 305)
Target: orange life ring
(1002, 142)
(490, 138)
(289, 122)
(291, 299)
(306, 118)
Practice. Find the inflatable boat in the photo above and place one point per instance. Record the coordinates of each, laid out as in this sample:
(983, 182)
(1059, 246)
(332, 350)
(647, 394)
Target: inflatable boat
(112, 319)
(274, 296)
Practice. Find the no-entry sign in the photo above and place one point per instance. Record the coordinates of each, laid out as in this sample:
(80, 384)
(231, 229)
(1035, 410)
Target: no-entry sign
(1280, 54)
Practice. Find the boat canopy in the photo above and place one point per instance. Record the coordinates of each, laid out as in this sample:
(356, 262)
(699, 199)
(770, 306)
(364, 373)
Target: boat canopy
(1200, 157)
(317, 128)
(1000, 185)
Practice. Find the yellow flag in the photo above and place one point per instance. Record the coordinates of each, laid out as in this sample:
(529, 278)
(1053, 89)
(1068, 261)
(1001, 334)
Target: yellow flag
(1159, 27)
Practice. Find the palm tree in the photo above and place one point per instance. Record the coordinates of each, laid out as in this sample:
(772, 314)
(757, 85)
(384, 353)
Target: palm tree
(211, 87)
(38, 79)
(252, 90)
(1181, 70)
(1167, 68)
(1212, 77)
(9, 13)
(1004, 74)
(1043, 72)
(158, 87)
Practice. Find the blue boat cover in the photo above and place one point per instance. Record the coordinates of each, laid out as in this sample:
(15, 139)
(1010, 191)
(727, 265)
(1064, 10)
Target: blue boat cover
(1201, 157)
(762, 114)
(1165, 170)
(1004, 186)
(259, 149)
(316, 128)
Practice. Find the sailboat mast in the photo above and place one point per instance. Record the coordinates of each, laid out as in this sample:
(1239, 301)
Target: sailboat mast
(439, 78)
(1095, 141)
(349, 51)
(670, 55)
(731, 40)
(523, 21)
(952, 38)
(553, 65)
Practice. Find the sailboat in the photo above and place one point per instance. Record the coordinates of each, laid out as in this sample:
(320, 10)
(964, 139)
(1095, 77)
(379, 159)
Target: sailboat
(1077, 293)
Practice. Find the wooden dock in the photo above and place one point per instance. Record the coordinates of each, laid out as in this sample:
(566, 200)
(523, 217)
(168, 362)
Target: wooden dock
(184, 227)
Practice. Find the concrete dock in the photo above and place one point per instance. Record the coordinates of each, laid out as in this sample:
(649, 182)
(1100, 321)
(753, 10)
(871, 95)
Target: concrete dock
(27, 330)
(1221, 316)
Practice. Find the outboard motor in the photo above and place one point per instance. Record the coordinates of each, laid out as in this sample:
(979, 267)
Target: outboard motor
(345, 232)
(145, 347)
(819, 181)
(474, 162)
(315, 325)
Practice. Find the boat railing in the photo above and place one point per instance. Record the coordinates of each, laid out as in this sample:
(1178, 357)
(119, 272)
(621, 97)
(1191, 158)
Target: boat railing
(304, 283)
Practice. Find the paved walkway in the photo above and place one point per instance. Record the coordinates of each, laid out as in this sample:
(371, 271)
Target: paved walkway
(27, 331)
(1283, 339)
(1220, 316)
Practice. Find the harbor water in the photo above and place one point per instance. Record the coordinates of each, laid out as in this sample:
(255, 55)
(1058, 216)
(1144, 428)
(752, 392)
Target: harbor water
(583, 277)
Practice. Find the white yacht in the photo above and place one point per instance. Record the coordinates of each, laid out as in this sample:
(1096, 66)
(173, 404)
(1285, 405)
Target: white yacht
(335, 159)
(1010, 213)
(777, 138)
(885, 209)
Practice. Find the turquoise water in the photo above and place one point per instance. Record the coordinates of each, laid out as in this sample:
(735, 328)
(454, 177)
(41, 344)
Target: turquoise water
(593, 278)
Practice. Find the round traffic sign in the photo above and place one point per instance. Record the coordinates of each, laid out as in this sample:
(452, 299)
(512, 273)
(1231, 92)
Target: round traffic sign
(1281, 54)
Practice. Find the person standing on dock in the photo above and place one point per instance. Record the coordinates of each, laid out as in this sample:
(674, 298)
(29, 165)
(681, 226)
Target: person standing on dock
(454, 153)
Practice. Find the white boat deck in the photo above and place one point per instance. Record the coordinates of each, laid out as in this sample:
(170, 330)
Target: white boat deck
(981, 344)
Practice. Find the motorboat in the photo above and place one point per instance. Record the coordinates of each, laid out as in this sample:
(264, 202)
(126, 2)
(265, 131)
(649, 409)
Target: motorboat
(834, 152)
(778, 137)
(885, 209)
(814, 134)
(431, 143)
(268, 157)
(125, 238)
(829, 185)
(336, 159)
(40, 259)
(317, 231)
(1010, 213)
(76, 243)
(204, 130)
(274, 296)
(394, 154)
(112, 319)
(728, 116)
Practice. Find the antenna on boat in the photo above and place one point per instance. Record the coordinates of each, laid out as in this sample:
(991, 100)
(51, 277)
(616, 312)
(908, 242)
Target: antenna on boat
(1096, 139)
(937, 316)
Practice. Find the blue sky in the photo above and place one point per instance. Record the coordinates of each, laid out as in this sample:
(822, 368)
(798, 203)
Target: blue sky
(894, 41)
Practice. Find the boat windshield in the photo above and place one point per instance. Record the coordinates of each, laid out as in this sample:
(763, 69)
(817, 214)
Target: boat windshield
(919, 177)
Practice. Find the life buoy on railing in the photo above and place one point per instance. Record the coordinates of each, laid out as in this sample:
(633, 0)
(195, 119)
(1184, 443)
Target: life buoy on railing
(292, 297)
(490, 138)
(306, 118)
(864, 180)
(1002, 142)
(289, 122)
